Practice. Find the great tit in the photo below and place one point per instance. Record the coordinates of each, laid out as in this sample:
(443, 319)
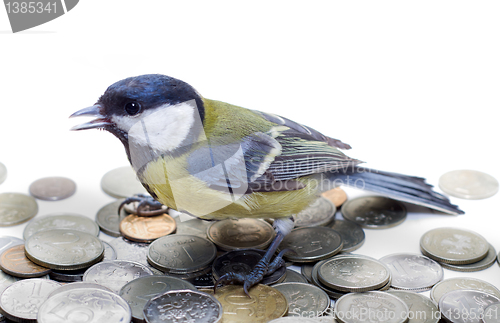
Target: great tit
(216, 161)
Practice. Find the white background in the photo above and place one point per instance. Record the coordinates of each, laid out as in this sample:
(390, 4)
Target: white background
(412, 86)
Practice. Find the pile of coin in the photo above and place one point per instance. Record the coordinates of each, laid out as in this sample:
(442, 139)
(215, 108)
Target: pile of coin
(458, 249)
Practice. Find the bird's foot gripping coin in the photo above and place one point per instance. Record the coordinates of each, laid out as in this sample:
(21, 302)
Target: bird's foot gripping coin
(264, 266)
(147, 205)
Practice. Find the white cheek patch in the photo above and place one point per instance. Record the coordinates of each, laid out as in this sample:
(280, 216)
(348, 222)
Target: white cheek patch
(166, 127)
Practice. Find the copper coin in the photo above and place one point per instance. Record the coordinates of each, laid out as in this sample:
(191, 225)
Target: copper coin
(14, 262)
(146, 229)
(337, 196)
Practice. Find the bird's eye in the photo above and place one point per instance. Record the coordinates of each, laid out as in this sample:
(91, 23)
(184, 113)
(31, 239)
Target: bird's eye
(132, 108)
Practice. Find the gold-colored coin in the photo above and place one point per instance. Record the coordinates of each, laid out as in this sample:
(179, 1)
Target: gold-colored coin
(336, 195)
(264, 304)
(234, 234)
(14, 262)
(146, 229)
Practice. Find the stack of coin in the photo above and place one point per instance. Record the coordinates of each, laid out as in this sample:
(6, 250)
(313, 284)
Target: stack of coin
(347, 273)
(374, 212)
(234, 234)
(458, 249)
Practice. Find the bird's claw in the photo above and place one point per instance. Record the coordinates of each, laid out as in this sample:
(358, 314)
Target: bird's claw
(258, 272)
(146, 203)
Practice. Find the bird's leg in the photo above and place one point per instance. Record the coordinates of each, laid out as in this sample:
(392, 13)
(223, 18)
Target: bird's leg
(144, 202)
(264, 266)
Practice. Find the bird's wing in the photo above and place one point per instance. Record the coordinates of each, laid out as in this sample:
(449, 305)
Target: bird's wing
(271, 161)
(305, 132)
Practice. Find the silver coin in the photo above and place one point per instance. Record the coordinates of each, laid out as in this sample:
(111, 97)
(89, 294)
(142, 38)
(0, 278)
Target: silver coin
(121, 182)
(109, 252)
(61, 221)
(412, 271)
(115, 274)
(311, 244)
(353, 273)
(352, 234)
(374, 212)
(484, 263)
(16, 208)
(3, 173)
(87, 305)
(190, 225)
(75, 285)
(20, 301)
(320, 212)
(454, 246)
(133, 251)
(139, 291)
(196, 307)
(5, 281)
(421, 308)
(491, 313)
(465, 306)
(181, 253)
(304, 299)
(293, 277)
(7, 241)
(108, 219)
(468, 184)
(371, 307)
(306, 271)
(460, 283)
(52, 188)
(63, 249)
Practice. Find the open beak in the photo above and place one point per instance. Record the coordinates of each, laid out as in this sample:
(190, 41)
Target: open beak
(93, 111)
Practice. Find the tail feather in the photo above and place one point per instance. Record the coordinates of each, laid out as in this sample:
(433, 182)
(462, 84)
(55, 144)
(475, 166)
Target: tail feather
(397, 186)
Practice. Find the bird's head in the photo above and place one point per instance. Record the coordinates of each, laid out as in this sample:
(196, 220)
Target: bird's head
(153, 111)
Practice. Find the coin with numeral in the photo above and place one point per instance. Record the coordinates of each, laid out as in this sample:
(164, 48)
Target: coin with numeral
(465, 306)
(180, 254)
(412, 271)
(20, 301)
(460, 283)
(239, 308)
(84, 304)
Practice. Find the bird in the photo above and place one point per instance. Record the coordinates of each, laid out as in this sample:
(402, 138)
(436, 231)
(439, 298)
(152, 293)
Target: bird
(216, 161)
